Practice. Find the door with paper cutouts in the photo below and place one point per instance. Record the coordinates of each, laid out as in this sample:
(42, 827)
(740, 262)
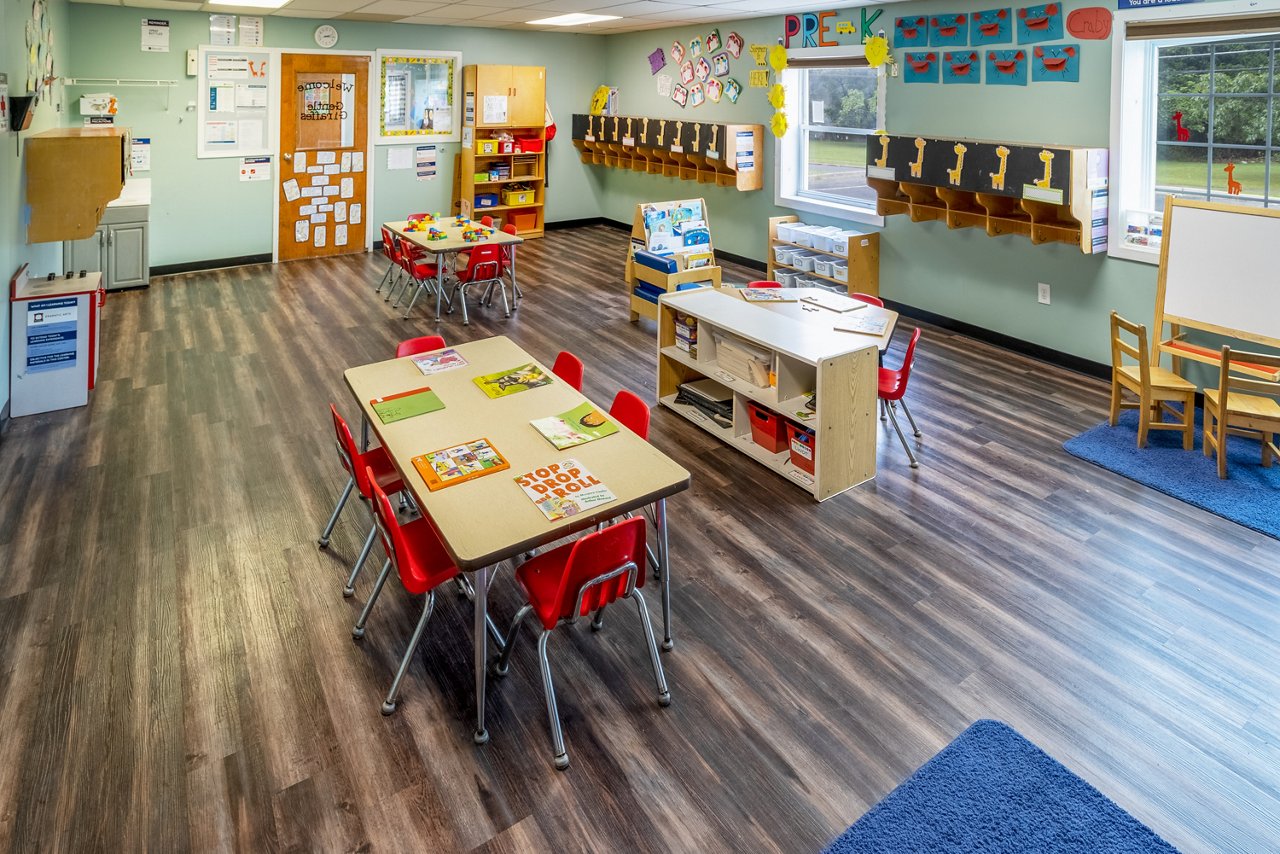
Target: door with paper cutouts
(324, 140)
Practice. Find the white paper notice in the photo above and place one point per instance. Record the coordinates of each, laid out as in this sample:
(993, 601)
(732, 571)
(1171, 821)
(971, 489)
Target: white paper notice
(319, 234)
(346, 161)
(319, 217)
(251, 95)
(331, 169)
(222, 98)
(356, 211)
(255, 169)
(229, 67)
(326, 157)
(302, 230)
(222, 30)
(357, 161)
(340, 212)
(339, 235)
(310, 192)
(817, 112)
(139, 151)
(291, 190)
(251, 134)
(331, 190)
(495, 109)
(250, 31)
(399, 158)
(324, 208)
(348, 188)
(315, 170)
(155, 36)
(222, 133)
(319, 180)
(299, 161)
(306, 210)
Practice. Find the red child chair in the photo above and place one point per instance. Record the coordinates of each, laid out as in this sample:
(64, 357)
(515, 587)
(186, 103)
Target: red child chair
(507, 253)
(389, 252)
(869, 299)
(422, 275)
(763, 284)
(358, 465)
(893, 385)
(631, 412)
(422, 344)
(417, 554)
(569, 368)
(486, 221)
(483, 267)
(572, 581)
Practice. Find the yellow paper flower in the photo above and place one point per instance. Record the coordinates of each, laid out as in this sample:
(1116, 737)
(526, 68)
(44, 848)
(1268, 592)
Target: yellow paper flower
(779, 124)
(777, 96)
(778, 58)
(877, 51)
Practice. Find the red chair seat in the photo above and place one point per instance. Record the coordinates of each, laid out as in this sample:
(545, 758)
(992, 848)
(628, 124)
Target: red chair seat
(384, 473)
(428, 563)
(421, 269)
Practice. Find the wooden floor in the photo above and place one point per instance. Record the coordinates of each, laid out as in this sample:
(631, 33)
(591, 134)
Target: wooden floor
(177, 671)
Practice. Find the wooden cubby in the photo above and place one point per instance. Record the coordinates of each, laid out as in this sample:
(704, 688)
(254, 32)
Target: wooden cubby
(727, 155)
(862, 259)
(72, 173)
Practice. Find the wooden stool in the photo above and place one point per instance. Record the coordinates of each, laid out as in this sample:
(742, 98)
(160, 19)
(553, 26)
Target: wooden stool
(1154, 386)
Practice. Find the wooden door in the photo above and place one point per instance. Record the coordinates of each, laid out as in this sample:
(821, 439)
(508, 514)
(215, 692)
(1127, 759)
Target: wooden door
(324, 138)
(491, 81)
(528, 96)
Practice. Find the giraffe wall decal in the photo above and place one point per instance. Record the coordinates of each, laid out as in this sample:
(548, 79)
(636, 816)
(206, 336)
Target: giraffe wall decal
(1184, 135)
(591, 128)
(715, 129)
(1233, 186)
(629, 128)
(697, 136)
(644, 131)
(662, 131)
(917, 167)
(615, 128)
(1046, 157)
(884, 151)
(997, 178)
(953, 175)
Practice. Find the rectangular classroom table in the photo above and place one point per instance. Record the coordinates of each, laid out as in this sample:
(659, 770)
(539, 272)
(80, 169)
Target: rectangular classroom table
(485, 521)
(452, 244)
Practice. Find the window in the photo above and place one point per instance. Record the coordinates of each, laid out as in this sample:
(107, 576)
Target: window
(833, 105)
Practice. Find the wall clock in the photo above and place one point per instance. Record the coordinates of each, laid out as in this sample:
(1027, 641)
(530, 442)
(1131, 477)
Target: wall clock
(326, 35)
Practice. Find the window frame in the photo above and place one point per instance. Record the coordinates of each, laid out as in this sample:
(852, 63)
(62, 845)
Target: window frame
(791, 153)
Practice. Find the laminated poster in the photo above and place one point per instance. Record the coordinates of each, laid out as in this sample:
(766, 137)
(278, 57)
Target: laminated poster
(356, 212)
(348, 187)
(319, 235)
(302, 230)
(357, 161)
(290, 188)
(339, 235)
(323, 157)
(346, 161)
(299, 161)
(340, 212)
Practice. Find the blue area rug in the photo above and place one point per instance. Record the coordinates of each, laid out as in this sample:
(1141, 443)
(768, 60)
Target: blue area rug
(1250, 496)
(993, 792)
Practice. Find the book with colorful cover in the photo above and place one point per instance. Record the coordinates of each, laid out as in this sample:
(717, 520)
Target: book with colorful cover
(513, 380)
(863, 325)
(766, 295)
(578, 426)
(406, 404)
(440, 360)
(458, 463)
(564, 489)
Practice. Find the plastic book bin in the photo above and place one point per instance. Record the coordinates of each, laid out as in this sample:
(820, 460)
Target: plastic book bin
(768, 429)
(802, 445)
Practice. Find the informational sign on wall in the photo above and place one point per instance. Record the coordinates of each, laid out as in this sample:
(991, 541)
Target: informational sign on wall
(255, 169)
(51, 334)
(235, 93)
(425, 162)
(4, 104)
(155, 36)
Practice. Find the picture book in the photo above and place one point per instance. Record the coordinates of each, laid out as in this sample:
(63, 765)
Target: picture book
(512, 380)
(833, 302)
(456, 464)
(440, 360)
(564, 489)
(863, 325)
(578, 426)
(406, 404)
(766, 295)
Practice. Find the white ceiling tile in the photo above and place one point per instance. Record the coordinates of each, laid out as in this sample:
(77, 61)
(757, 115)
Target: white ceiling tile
(561, 7)
(636, 8)
(511, 16)
(290, 12)
(162, 4)
(99, 2)
(398, 7)
(328, 5)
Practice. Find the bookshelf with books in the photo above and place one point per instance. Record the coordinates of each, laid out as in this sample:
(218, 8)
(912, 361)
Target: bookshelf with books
(675, 239)
(831, 257)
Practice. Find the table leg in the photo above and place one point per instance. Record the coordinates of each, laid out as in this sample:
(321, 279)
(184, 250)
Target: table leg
(515, 289)
(664, 555)
(364, 432)
(481, 638)
(439, 283)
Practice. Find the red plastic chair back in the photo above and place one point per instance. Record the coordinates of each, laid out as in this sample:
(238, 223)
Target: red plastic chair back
(506, 250)
(404, 254)
(869, 299)
(509, 229)
(421, 344)
(631, 412)
(599, 555)
(418, 216)
(903, 374)
(389, 245)
(352, 460)
(763, 284)
(484, 263)
(569, 368)
(413, 573)
(486, 221)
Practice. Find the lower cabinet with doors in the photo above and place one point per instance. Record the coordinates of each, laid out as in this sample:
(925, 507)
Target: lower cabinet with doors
(118, 249)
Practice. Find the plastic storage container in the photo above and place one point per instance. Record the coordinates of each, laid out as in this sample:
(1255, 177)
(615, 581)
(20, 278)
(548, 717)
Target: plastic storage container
(840, 242)
(782, 254)
(746, 361)
(840, 271)
(524, 220)
(802, 444)
(822, 265)
(787, 230)
(486, 200)
(768, 429)
(803, 261)
(786, 278)
(822, 237)
(517, 197)
(529, 145)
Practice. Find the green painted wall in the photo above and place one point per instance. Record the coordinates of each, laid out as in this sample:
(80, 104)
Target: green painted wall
(989, 282)
(14, 250)
(200, 210)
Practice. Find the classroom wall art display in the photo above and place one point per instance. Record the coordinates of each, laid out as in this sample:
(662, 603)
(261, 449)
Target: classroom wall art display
(664, 85)
(720, 63)
(994, 26)
(677, 52)
(1039, 23)
(686, 73)
(1091, 22)
(657, 61)
(920, 67)
(1007, 67)
(911, 32)
(696, 95)
(711, 43)
(680, 95)
(732, 89)
(734, 45)
(715, 90)
(695, 47)
(702, 68)
(1058, 63)
(948, 31)
(964, 66)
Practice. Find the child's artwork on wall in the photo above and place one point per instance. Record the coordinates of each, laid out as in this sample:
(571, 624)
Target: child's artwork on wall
(677, 52)
(961, 67)
(664, 85)
(1039, 23)
(1007, 67)
(686, 73)
(758, 79)
(734, 44)
(948, 31)
(758, 52)
(1091, 22)
(702, 68)
(911, 32)
(695, 47)
(920, 67)
(715, 90)
(712, 42)
(720, 62)
(657, 60)
(680, 95)
(696, 95)
(1057, 63)
(732, 89)
(994, 26)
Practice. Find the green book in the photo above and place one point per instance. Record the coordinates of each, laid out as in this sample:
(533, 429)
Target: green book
(513, 380)
(406, 404)
(578, 426)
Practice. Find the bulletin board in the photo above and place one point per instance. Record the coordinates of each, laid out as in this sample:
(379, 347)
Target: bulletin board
(414, 93)
(236, 116)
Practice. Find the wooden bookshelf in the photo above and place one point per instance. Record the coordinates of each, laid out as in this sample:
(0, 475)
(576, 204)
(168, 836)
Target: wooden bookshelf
(860, 255)
(667, 282)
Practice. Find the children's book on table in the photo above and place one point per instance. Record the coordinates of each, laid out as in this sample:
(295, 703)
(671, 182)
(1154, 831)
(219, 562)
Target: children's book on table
(406, 404)
(513, 380)
(440, 360)
(582, 424)
(564, 489)
(863, 325)
(459, 463)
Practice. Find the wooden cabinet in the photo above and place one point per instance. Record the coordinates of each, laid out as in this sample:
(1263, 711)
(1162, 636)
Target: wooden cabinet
(523, 86)
(119, 249)
(72, 173)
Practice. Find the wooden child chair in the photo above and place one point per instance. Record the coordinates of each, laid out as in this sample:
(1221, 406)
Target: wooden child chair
(1153, 385)
(1228, 410)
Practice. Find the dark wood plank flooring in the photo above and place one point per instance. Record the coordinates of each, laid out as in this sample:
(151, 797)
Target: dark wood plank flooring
(177, 673)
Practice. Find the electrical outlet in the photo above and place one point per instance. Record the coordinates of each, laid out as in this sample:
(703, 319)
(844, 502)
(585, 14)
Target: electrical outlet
(1042, 293)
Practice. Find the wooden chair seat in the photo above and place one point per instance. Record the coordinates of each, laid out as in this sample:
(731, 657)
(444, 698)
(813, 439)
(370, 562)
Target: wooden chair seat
(1231, 409)
(1162, 380)
(1248, 406)
(1155, 387)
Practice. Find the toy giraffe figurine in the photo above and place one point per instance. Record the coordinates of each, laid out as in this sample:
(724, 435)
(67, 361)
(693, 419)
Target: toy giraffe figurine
(953, 175)
(884, 151)
(997, 178)
(644, 131)
(697, 137)
(1046, 157)
(1233, 186)
(1184, 135)
(917, 168)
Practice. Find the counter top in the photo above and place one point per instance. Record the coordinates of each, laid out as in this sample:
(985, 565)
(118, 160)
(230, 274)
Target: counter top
(137, 191)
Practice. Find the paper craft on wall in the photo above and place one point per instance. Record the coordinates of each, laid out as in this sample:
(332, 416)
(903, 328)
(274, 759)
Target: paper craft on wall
(680, 95)
(702, 69)
(732, 89)
(961, 67)
(677, 52)
(758, 52)
(720, 64)
(758, 78)
(1091, 22)
(778, 124)
(657, 61)
(778, 58)
(686, 73)
(695, 47)
(1007, 67)
(1056, 63)
(911, 32)
(920, 67)
(1234, 187)
(778, 96)
(948, 31)
(715, 90)
(696, 95)
(734, 44)
(712, 43)
(664, 85)
(1039, 24)
(994, 26)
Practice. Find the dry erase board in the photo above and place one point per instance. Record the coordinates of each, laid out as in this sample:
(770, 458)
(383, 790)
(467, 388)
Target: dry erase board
(1218, 269)
(234, 102)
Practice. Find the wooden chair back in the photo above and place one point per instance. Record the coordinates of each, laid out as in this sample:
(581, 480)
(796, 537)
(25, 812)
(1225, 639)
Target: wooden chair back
(1121, 348)
(1229, 382)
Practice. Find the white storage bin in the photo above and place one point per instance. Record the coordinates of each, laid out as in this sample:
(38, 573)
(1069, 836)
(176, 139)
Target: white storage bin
(745, 360)
(840, 271)
(782, 254)
(807, 282)
(803, 261)
(803, 236)
(833, 287)
(822, 238)
(786, 278)
(840, 242)
(787, 230)
(822, 265)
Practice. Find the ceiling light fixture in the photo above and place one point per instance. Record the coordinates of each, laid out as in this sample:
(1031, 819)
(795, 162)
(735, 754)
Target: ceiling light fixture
(574, 20)
(252, 4)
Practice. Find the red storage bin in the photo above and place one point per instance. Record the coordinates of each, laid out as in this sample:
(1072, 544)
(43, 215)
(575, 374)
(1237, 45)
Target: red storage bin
(768, 429)
(802, 444)
(529, 145)
(523, 220)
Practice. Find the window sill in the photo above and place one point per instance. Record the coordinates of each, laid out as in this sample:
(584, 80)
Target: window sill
(1134, 253)
(853, 213)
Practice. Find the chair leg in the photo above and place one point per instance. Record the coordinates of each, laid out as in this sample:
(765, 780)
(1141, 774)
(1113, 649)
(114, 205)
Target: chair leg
(500, 667)
(597, 619)
(914, 429)
(1114, 417)
(884, 407)
(1144, 421)
(553, 714)
(664, 693)
(1189, 422)
(417, 292)
(506, 306)
(893, 419)
(333, 518)
(1208, 434)
(350, 589)
(1221, 430)
(389, 704)
(357, 631)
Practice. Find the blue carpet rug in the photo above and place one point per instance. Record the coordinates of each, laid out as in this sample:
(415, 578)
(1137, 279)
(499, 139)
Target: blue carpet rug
(1249, 497)
(993, 792)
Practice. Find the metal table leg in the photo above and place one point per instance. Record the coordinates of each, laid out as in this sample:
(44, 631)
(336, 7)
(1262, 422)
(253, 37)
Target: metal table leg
(439, 283)
(481, 639)
(364, 432)
(664, 556)
(516, 294)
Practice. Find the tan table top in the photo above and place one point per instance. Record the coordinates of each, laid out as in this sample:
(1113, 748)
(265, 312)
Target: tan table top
(489, 519)
(454, 241)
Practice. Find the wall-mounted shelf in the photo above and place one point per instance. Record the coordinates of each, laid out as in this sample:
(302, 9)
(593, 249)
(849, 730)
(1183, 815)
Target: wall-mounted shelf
(167, 85)
(727, 155)
(1051, 194)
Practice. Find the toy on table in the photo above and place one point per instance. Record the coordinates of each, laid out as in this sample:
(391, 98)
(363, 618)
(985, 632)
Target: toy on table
(419, 223)
(436, 234)
(473, 233)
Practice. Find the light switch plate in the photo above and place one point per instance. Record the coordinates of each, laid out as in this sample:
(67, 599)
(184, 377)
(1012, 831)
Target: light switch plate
(193, 64)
